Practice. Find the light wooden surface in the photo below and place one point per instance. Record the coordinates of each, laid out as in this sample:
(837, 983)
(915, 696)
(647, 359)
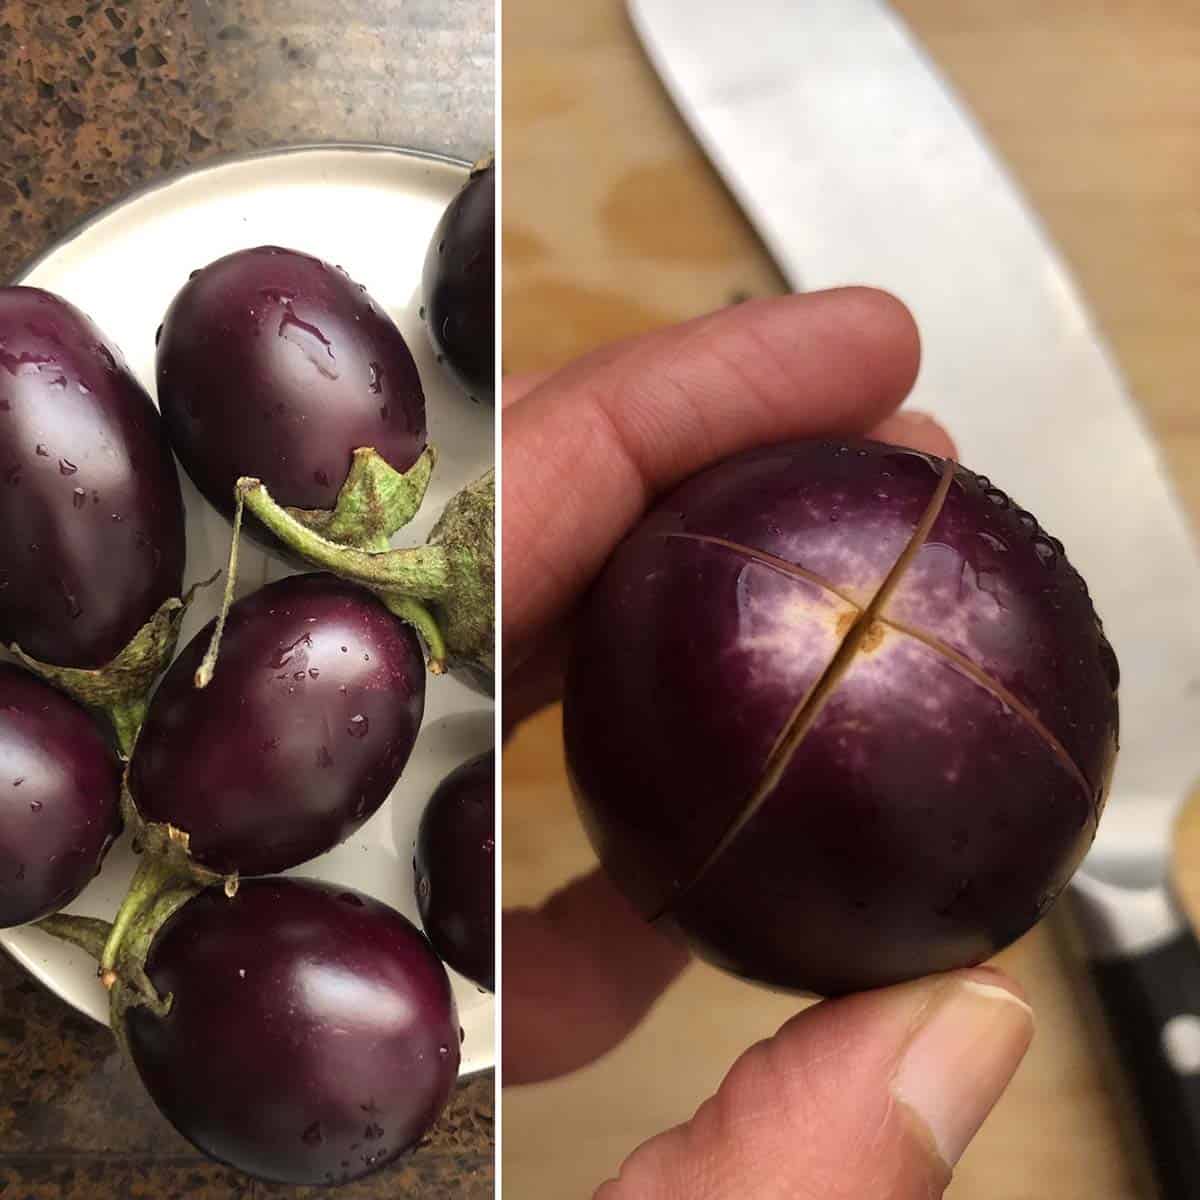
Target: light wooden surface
(614, 223)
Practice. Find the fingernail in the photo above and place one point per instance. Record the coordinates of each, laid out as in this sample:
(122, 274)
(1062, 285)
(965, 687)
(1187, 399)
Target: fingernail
(966, 1047)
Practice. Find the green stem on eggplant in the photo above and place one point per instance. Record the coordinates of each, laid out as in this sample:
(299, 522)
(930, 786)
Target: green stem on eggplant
(375, 502)
(422, 572)
(89, 934)
(414, 613)
(208, 664)
(120, 687)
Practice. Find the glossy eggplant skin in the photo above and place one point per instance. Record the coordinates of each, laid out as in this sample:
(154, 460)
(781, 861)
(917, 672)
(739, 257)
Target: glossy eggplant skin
(308, 721)
(276, 365)
(312, 1035)
(949, 785)
(456, 870)
(91, 517)
(460, 286)
(60, 794)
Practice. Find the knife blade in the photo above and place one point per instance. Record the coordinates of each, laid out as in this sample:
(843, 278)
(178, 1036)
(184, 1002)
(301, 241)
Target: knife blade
(856, 163)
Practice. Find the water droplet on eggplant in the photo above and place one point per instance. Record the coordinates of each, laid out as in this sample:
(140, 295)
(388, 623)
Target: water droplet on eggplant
(1045, 551)
(303, 334)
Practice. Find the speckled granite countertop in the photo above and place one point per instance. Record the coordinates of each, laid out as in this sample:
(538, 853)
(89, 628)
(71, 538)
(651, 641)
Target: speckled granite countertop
(97, 98)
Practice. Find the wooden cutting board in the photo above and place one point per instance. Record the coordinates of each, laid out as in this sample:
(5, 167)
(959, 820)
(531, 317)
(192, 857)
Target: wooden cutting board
(613, 224)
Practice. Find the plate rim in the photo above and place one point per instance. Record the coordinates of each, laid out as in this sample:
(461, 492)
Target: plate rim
(218, 163)
(212, 165)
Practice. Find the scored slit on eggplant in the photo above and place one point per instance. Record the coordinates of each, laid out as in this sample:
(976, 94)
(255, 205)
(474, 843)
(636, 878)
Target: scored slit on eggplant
(810, 706)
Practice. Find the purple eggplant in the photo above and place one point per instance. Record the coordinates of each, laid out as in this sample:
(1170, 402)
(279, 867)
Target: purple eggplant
(275, 365)
(842, 714)
(308, 721)
(456, 869)
(310, 1037)
(60, 792)
(92, 551)
(460, 285)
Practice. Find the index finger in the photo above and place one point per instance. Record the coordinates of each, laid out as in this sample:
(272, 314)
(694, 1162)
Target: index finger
(586, 449)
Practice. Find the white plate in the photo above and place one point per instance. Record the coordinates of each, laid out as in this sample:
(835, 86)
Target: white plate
(373, 211)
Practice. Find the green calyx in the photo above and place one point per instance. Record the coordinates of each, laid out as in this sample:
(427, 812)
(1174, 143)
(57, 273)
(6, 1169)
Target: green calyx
(445, 589)
(157, 891)
(466, 610)
(166, 878)
(120, 687)
(374, 503)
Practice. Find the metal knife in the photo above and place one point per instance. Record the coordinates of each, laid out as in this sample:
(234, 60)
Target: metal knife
(856, 164)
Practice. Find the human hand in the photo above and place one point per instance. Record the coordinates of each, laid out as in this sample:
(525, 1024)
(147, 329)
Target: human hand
(871, 1096)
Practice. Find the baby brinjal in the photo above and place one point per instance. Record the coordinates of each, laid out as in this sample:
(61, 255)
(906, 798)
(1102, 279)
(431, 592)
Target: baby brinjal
(60, 793)
(456, 869)
(275, 365)
(309, 719)
(311, 1035)
(91, 517)
(460, 285)
(841, 713)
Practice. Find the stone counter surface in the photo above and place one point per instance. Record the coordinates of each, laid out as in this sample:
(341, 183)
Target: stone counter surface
(98, 99)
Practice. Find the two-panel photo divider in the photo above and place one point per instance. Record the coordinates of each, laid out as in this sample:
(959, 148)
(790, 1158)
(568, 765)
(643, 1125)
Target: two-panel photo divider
(597, 601)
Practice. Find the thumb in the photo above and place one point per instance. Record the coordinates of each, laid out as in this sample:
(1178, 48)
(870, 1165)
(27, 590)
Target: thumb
(870, 1097)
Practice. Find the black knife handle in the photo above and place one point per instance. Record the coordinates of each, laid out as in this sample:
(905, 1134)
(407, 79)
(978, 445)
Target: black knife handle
(1152, 1004)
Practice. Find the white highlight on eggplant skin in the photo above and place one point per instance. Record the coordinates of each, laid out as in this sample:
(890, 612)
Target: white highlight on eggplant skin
(946, 595)
(788, 629)
(830, 554)
(895, 662)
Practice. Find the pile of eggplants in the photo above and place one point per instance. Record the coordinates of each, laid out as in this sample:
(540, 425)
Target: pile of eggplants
(298, 1031)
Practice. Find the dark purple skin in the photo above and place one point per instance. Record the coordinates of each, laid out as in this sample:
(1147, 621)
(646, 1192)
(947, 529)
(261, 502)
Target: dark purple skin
(460, 287)
(60, 798)
(303, 731)
(312, 1036)
(90, 507)
(456, 870)
(944, 794)
(275, 365)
